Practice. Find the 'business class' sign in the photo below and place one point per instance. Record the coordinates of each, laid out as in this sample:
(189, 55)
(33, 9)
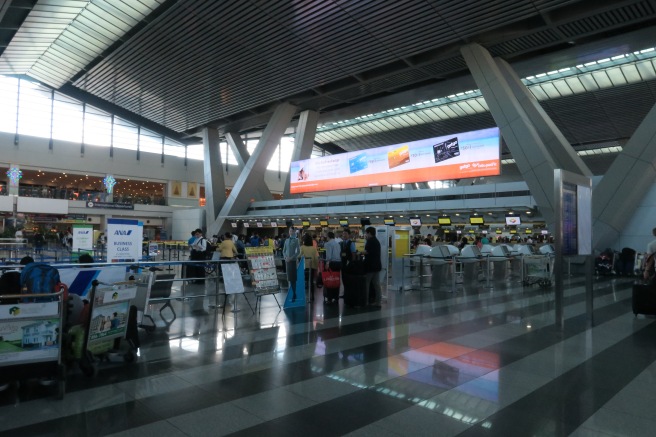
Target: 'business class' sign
(457, 156)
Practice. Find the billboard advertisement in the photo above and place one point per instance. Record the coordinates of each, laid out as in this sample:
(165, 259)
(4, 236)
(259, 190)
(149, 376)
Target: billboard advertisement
(455, 156)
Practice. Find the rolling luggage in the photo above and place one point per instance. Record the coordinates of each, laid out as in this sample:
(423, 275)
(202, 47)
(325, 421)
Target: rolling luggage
(644, 299)
(355, 294)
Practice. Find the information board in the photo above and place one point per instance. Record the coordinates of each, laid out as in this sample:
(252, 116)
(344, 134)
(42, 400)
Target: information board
(263, 268)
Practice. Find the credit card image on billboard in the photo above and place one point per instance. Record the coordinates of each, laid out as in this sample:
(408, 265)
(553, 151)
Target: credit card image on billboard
(446, 149)
(398, 156)
(358, 163)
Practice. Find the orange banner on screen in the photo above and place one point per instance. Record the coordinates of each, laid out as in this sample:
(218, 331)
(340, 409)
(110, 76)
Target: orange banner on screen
(457, 171)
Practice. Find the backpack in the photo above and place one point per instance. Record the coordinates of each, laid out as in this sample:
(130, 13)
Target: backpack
(39, 278)
(209, 249)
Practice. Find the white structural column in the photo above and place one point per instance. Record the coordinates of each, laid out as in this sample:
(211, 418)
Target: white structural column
(215, 187)
(534, 160)
(625, 184)
(240, 151)
(304, 141)
(253, 173)
(555, 142)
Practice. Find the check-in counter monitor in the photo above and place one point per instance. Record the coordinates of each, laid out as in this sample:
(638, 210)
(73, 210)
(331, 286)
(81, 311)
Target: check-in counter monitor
(501, 251)
(470, 251)
(470, 257)
(486, 249)
(525, 249)
(423, 250)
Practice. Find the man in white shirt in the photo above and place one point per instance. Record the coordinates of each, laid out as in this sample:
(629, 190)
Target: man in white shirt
(333, 252)
(651, 247)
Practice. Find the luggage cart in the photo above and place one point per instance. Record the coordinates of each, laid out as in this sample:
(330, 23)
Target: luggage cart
(537, 269)
(31, 339)
(111, 318)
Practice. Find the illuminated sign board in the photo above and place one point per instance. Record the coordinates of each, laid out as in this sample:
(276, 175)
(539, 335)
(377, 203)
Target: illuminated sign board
(305, 223)
(415, 221)
(444, 221)
(457, 156)
(476, 220)
(343, 222)
(323, 222)
(389, 221)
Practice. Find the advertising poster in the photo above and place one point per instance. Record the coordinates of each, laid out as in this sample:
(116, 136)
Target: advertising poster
(24, 340)
(455, 156)
(124, 240)
(79, 280)
(82, 237)
(108, 321)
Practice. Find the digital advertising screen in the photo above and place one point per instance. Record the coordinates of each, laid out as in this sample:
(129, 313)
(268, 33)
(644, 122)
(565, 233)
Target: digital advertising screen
(455, 156)
(513, 220)
(274, 224)
(415, 221)
(444, 221)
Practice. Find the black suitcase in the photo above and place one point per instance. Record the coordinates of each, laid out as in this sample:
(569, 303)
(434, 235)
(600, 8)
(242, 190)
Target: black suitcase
(355, 294)
(644, 299)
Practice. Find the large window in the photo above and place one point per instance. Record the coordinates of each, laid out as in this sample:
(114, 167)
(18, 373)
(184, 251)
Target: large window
(74, 122)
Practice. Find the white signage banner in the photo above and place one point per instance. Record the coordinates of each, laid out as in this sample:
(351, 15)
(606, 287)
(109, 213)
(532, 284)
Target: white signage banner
(82, 237)
(124, 240)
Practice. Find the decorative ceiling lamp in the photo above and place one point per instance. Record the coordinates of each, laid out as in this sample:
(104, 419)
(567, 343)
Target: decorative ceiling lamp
(109, 183)
(14, 174)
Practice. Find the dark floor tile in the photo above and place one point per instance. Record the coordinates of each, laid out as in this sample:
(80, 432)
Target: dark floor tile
(98, 422)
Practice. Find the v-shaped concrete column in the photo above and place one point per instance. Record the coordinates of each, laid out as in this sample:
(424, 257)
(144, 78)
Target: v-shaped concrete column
(624, 185)
(253, 173)
(555, 142)
(240, 151)
(304, 141)
(534, 159)
(214, 182)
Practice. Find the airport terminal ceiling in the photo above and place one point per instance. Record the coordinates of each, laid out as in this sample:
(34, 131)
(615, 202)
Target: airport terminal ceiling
(178, 66)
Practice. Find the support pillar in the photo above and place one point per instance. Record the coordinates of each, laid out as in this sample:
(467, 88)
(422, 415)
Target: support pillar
(533, 158)
(304, 141)
(240, 151)
(624, 185)
(215, 187)
(253, 173)
(555, 142)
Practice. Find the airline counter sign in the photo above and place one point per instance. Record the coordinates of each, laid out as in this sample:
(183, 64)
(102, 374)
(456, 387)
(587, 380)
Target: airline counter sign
(124, 240)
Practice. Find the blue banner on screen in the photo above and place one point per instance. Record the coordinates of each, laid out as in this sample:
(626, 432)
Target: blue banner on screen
(454, 156)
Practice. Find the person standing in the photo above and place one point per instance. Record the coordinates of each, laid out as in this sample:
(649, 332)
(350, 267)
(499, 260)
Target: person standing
(372, 265)
(227, 249)
(311, 255)
(334, 263)
(651, 247)
(290, 253)
(198, 254)
(347, 247)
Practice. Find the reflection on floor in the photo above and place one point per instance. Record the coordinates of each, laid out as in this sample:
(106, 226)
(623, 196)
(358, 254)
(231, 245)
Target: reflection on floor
(482, 361)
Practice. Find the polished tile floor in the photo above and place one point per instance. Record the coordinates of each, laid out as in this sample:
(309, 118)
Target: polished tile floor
(481, 361)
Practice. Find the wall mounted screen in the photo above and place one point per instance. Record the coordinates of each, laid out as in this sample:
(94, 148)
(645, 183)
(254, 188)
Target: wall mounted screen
(476, 220)
(455, 156)
(444, 221)
(513, 220)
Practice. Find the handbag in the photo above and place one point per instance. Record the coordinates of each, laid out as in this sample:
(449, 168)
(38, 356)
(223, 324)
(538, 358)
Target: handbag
(330, 279)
